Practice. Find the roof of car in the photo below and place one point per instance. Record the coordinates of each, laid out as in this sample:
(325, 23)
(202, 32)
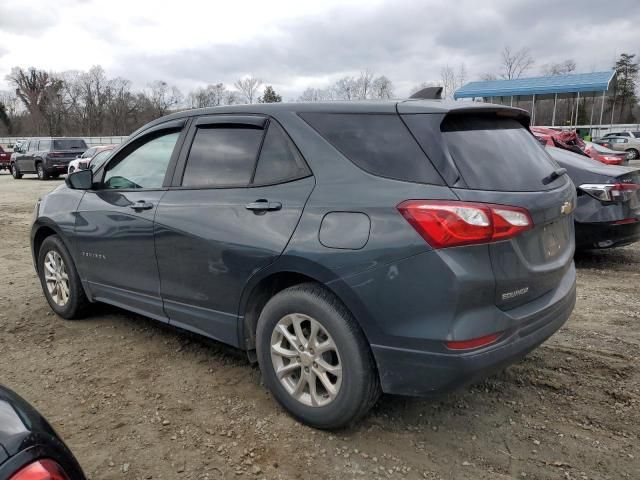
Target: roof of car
(365, 106)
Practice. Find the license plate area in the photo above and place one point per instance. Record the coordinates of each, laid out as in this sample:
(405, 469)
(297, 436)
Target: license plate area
(554, 240)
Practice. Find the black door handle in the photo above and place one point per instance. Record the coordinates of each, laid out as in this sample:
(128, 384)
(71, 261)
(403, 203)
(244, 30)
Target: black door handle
(141, 205)
(263, 206)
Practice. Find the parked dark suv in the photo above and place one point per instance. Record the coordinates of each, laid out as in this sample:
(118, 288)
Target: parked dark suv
(351, 248)
(47, 157)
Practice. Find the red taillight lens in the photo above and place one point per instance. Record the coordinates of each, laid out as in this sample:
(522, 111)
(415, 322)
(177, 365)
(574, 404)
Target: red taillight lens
(56, 154)
(474, 343)
(609, 160)
(451, 223)
(41, 470)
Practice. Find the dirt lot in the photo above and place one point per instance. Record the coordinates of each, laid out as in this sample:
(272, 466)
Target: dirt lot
(137, 400)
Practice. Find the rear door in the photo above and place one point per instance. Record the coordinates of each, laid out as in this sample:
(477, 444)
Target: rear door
(114, 221)
(493, 159)
(226, 217)
(25, 159)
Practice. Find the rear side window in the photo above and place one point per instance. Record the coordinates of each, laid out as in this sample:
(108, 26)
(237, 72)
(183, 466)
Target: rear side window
(44, 145)
(377, 143)
(279, 160)
(69, 144)
(495, 153)
(222, 157)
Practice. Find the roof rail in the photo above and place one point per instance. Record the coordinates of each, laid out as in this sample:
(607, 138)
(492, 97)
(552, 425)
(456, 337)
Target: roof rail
(429, 93)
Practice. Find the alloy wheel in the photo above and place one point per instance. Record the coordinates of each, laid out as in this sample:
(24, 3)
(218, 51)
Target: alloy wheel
(56, 278)
(306, 360)
(40, 171)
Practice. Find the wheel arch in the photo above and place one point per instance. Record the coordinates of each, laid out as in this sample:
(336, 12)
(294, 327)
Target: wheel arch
(39, 232)
(284, 273)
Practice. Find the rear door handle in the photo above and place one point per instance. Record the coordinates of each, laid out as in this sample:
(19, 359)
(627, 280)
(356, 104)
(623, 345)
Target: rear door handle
(263, 206)
(142, 205)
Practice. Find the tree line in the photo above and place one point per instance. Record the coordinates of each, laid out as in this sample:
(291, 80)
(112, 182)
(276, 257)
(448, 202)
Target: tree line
(91, 104)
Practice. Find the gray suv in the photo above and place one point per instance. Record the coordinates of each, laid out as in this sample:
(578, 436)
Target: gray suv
(349, 248)
(46, 157)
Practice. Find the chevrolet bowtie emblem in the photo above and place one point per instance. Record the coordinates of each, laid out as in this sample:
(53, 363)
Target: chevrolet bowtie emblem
(566, 208)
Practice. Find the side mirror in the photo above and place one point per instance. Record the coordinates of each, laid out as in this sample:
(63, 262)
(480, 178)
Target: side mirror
(80, 180)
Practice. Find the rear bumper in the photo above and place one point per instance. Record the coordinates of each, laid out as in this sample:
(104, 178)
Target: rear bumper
(423, 373)
(606, 234)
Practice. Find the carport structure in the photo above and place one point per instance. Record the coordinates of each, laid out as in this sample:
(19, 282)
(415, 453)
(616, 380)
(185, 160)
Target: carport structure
(543, 88)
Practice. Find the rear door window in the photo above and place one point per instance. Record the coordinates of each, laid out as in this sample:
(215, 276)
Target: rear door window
(222, 157)
(494, 153)
(377, 143)
(279, 159)
(44, 145)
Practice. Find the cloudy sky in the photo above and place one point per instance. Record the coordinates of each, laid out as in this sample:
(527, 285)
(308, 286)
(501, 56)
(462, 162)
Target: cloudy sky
(293, 44)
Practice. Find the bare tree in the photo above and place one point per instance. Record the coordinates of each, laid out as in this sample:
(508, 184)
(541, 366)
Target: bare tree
(514, 64)
(162, 97)
(562, 68)
(382, 88)
(448, 81)
(488, 76)
(249, 87)
(346, 88)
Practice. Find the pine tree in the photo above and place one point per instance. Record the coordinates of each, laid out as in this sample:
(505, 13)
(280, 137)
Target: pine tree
(270, 95)
(626, 84)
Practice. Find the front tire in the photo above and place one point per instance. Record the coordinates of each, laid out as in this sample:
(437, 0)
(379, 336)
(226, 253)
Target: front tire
(42, 173)
(315, 359)
(15, 173)
(59, 279)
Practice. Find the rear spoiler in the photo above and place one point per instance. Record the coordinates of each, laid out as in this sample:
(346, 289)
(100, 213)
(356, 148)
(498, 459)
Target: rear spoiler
(428, 93)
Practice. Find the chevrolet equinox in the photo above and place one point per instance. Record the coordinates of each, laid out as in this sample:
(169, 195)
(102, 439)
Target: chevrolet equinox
(350, 248)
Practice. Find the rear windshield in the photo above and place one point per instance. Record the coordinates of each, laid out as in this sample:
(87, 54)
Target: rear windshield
(69, 144)
(494, 153)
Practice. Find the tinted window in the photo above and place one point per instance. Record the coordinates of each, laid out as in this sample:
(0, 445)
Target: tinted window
(69, 144)
(379, 144)
(494, 153)
(98, 160)
(279, 159)
(145, 167)
(222, 157)
(45, 145)
(89, 153)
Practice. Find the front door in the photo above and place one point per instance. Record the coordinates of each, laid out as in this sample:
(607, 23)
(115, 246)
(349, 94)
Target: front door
(222, 222)
(114, 225)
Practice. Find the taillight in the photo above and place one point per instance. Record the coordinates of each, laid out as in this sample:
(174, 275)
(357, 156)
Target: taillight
(611, 192)
(474, 342)
(41, 470)
(444, 223)
(611, 160)
(55, 154)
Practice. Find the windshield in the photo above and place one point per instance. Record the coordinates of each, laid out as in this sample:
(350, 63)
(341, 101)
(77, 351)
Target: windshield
(494, 153)
(69, 144)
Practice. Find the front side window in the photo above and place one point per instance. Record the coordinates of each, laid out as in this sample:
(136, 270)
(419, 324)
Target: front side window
(222, 157)
(279, 160)
(98, 160)
(145, 167)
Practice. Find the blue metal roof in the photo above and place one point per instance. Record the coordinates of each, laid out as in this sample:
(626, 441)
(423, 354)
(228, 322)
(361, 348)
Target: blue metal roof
(580, 82)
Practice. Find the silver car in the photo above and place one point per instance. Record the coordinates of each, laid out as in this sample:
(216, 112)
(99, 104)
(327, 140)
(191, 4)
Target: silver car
(630, 145)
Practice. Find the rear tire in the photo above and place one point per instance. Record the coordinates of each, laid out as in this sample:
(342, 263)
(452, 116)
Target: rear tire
(15, 173)
(632, 154)
(60, 281)
(42, 173)
(337, 355)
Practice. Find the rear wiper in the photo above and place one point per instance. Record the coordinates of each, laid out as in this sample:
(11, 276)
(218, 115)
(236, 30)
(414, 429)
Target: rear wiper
(554, 175)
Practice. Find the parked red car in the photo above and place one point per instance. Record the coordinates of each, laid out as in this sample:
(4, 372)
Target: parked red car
(5, 158)
(567, 139)
(605, 155)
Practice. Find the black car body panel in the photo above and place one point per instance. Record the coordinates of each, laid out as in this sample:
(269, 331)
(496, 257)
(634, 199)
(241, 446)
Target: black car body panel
(196, 257)
(25, 436)
(601, 224)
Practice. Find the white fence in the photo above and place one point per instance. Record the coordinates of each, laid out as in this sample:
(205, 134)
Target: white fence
(91, 141)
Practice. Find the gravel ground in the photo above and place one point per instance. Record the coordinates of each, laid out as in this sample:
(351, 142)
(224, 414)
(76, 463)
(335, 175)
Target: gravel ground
(137, 400)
